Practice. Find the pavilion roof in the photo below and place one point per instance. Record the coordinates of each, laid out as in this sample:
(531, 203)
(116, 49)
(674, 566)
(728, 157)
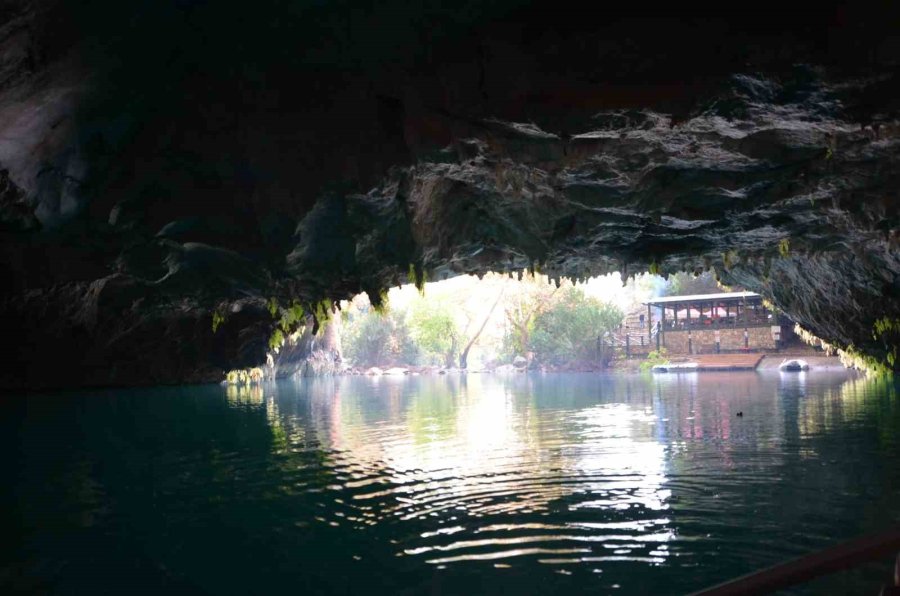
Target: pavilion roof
(703, 298)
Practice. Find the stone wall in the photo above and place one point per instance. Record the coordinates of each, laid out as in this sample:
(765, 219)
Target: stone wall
(470, 154)
(704, 340)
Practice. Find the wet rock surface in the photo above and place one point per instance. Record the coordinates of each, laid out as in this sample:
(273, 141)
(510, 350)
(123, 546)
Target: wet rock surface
(307, 153)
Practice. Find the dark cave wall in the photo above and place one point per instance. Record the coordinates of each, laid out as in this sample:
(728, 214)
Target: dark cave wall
(166, 160)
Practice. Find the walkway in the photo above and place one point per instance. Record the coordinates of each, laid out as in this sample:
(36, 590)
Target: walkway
(727, 361)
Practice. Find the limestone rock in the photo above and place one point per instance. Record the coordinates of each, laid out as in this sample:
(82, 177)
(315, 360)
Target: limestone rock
(143, 192)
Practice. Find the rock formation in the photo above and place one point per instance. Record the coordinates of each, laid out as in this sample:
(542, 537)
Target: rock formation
(171, 171)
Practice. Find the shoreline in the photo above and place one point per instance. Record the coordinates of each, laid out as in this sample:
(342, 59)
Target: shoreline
(769, 363)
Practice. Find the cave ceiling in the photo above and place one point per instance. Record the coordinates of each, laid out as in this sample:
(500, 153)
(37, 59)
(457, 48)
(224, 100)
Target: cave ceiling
(164, 161)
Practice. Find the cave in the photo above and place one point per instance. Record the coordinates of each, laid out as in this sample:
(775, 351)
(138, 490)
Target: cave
(168, 170)
(185, 183)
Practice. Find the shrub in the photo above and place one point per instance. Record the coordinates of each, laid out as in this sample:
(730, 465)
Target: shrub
(655, 357)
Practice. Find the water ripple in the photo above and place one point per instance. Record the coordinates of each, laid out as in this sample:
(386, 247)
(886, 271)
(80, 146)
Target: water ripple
(526, 484)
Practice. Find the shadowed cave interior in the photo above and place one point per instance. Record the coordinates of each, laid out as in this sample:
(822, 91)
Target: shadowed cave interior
(165, 165)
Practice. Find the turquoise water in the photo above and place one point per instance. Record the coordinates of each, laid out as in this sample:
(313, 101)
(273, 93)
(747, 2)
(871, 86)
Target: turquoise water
(554, 484)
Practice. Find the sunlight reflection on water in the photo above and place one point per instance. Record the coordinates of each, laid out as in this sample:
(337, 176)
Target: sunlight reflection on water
(454, 484)
(599, 458)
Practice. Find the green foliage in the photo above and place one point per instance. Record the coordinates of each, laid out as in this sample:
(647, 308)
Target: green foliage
(291, 318)
(516, 342)
(322, 313)
(244, 376)
(784, 248)
(655, 357)
(888, 330)
(654, 268)
(850, 356)
(378, 299)
(568, 329)
(416, 276)
(276, 340)
(684, 283)
(376, 339)
(771, 306)
(729, 258)
(434, 330)
(272, 306)
(218, 317)
(520, 311)
(884, 326)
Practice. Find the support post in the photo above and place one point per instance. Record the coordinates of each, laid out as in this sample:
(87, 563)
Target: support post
(662, 327)
(649, 326)
(627, 344)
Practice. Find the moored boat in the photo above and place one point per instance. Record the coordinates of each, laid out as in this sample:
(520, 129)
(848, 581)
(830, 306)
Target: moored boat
(793, 365)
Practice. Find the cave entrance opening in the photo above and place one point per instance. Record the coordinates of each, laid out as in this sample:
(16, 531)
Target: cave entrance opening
(508, 323)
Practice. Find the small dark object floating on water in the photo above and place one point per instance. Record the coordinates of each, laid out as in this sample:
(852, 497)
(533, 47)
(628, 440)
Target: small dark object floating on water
(740, 414)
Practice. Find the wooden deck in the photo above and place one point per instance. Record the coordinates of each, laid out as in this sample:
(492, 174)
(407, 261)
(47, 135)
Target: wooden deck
(727, 361)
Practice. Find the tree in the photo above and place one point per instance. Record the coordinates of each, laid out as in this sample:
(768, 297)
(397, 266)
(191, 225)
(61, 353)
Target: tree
(464, 355)
(374, 339)
(569, 328)
(531, 299)
(433, 328)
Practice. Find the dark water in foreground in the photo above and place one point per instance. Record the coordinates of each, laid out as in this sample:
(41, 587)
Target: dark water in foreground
(551, 484)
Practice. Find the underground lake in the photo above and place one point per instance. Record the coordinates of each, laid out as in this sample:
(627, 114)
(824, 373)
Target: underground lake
(524, 483)
(449, 298)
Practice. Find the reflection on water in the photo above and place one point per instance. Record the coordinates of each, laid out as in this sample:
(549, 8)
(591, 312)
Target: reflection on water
(450, 484)
(244, 394)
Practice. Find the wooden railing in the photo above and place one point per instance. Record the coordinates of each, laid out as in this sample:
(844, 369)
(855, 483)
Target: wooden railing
(632, 342)
(843, 556)
(719, 323)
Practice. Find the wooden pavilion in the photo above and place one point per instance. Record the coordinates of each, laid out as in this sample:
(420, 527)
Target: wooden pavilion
(708, 323)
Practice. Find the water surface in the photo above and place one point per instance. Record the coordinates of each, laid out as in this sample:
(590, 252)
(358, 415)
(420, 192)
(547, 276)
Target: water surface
(446, 485)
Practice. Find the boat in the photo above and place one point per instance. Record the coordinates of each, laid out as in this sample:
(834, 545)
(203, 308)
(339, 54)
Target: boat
(675, 367)
(793, 365)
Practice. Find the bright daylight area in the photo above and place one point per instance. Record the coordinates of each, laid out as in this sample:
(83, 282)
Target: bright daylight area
(482, 324)
(517, 322)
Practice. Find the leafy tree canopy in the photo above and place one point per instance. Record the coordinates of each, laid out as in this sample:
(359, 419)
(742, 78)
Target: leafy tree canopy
(379, 339)
(569, 328)
(435, 332)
